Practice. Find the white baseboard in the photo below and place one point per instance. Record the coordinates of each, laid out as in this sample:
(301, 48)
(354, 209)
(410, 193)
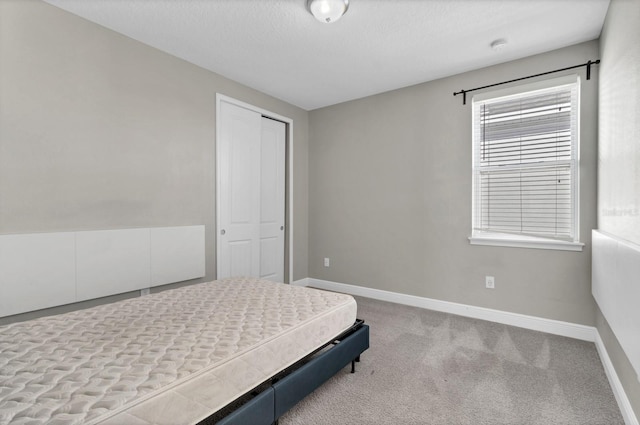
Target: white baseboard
(555, 327)
(301, 282)
(618, 390)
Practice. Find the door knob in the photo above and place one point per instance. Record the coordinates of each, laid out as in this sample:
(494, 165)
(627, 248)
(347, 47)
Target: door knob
(281, 227)
(222, 232)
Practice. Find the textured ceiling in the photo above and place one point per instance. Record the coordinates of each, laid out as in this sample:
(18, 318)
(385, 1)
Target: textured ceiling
(277, 47)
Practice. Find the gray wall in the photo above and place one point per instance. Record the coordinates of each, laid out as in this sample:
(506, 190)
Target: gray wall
(619, 153)
(619, 138)
(390, 199)
(98, 131)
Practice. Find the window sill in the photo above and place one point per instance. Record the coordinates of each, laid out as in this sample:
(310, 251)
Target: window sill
(517, 241)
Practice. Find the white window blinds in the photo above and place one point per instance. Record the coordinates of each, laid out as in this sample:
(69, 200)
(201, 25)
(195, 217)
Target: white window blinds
(526, 163)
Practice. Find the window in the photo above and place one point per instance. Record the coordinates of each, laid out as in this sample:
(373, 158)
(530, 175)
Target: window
(525, 166)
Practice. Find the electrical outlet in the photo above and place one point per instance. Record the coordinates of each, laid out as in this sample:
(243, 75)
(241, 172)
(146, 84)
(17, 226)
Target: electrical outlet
(327, 262)
(490, 281)
(145, 291)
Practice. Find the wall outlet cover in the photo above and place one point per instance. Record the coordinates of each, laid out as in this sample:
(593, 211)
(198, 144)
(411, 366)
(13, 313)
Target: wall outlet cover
(490, 282)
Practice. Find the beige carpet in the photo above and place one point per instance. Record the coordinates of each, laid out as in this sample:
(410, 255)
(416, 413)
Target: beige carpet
(426, 367)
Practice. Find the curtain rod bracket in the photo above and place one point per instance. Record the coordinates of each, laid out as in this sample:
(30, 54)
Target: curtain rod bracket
(587, 65)
(589, 69)
(464, 95)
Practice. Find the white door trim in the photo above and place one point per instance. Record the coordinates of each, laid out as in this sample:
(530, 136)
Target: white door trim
(289, 178)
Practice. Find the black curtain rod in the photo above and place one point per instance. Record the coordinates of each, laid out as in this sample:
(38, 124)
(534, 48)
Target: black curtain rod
(588, 65)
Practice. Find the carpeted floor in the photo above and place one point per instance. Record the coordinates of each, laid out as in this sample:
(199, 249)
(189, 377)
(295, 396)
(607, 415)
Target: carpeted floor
(426, 367)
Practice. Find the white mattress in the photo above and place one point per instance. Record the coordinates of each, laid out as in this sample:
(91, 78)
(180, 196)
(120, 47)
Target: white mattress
(174, 357)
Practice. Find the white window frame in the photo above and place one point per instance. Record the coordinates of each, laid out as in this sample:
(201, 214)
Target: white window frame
(494, 238)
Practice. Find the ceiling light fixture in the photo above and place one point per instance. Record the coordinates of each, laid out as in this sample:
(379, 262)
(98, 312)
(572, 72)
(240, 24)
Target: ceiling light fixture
(327, 11)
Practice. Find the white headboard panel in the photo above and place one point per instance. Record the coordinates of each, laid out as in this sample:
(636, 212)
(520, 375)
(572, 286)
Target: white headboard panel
(177, 254)
(616, 288)
(49, 269)
(36, 271)
(112, 262)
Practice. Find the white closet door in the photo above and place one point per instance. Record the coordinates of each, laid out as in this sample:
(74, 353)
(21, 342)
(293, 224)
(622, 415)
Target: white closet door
(238, 162)
(272, 169)
(251, 194)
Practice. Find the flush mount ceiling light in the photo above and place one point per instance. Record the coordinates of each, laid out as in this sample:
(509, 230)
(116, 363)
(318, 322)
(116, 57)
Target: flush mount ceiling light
(328, 11)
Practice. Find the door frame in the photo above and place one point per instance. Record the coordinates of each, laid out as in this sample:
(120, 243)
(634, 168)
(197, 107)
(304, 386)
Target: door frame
(288, 176)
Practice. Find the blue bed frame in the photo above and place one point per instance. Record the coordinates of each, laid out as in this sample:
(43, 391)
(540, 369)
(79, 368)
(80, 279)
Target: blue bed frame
(283, 391)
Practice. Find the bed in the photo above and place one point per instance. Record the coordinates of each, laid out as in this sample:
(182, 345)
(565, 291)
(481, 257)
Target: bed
(230, 351)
